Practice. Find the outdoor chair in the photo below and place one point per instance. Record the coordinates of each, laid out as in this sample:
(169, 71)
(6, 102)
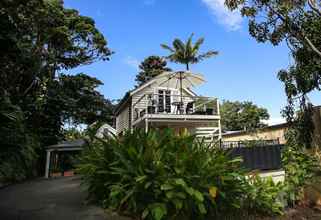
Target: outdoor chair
(209, 111)
(151, 109)
(190, 107)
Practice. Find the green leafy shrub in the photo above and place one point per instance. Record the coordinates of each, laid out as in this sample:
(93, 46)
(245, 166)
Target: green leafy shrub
(265, 196)
(300, 165)
(17, 146)
(159, 175)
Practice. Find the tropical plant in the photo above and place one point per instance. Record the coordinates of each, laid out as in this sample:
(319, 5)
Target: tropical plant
(300, 166)
(159, 175)
(187, 53)
(151, 67)
(266, 196)
(18, 151)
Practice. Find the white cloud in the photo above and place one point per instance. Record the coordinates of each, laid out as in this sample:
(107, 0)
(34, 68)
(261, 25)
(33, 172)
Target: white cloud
(149, 2)
(132, 62)
(232, 20)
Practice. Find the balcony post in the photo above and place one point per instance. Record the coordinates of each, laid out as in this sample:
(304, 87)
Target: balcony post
(47, 168)
(219, 120)
(146, 125)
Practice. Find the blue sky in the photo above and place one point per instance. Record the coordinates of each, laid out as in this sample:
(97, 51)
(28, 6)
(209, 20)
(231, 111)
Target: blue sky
(134, 29)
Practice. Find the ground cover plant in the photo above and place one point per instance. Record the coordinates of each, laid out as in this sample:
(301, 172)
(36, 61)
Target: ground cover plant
(159, 175)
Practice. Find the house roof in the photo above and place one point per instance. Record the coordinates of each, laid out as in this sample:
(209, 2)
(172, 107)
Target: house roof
(125, 100)
(78, 143)
(272, 127)
(101, 132)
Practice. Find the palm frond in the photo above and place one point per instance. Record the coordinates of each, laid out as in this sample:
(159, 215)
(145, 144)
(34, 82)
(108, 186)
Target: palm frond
(188, 52)
(189, 46)
(166, 47)
(205, 55)
(173, 58)
(178, 45)
(198, 43)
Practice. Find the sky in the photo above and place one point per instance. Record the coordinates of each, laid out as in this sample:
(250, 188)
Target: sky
(244, 70)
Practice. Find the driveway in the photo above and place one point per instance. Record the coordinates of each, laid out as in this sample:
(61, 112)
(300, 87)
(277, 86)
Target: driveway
(62, 199)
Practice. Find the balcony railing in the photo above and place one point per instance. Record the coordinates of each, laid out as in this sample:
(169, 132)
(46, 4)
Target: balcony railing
(166, 103)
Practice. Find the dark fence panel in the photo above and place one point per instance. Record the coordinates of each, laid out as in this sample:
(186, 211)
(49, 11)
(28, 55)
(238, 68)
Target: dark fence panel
(259, 157)
(232, 144)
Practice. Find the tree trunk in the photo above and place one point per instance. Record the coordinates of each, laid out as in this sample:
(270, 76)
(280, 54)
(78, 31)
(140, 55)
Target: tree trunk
(187, 66)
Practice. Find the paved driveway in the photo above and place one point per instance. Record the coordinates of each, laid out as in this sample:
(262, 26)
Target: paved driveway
(61, 199)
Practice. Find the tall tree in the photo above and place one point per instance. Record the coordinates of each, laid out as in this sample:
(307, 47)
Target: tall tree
(187, 53)
(45, 38)
(39, 40)
(242, 116)
(298, 23)
(151, 67)
(274, 21)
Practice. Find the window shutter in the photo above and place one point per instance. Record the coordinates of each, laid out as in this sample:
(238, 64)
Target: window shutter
(168, 101)
(160, 101)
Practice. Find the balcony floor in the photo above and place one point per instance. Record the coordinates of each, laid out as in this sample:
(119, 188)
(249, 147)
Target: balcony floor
(176, 118)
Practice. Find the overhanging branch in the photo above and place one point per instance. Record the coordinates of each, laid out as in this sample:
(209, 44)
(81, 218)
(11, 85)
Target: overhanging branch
(314, 7)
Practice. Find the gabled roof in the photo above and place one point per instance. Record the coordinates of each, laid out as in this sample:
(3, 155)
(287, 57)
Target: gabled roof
(125, 100)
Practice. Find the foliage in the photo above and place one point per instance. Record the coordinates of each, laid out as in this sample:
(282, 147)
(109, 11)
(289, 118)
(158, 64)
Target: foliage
(40, 39)
(73, 134)
(242, 116)
(300, 167)
(18, 147)
(159, 175)
(151, 67)
(274, 21)
(187, 53)
(265, 196)
(298, 23)
(80, 101)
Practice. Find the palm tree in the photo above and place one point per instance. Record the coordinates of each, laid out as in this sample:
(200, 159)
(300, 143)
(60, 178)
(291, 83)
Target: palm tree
(187, 53)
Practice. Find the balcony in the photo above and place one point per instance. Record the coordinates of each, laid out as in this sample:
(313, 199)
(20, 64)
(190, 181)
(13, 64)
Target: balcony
(166, 107)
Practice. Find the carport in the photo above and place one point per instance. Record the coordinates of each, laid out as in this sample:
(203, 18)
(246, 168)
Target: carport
(53, 151)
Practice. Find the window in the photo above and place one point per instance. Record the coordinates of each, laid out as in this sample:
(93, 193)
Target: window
(164, 101)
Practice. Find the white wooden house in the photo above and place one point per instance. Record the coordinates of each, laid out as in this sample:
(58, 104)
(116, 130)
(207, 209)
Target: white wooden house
(153, 105)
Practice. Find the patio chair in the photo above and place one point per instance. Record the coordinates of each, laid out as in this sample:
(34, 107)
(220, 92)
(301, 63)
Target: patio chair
(190, 107)
(209, 111)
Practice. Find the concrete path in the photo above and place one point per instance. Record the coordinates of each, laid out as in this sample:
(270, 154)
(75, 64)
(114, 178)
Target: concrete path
(61, 199)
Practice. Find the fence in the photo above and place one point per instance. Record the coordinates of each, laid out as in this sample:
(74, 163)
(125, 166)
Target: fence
(233, 144)
(259, 157)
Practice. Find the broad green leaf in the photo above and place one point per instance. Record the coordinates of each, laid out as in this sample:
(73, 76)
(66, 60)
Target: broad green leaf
(178, 204)
(145, 213)
(141, 178)
(170, 194)
(166, 186)
(190, 191)
(198, 195)
(147, 185)
(180, 182)
(158, 211)
(201, 208)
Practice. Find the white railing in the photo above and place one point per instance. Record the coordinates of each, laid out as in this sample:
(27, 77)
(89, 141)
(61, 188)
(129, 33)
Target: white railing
(175, 105)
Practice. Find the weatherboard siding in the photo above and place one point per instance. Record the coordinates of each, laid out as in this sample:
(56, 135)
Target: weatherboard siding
(122, 120)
